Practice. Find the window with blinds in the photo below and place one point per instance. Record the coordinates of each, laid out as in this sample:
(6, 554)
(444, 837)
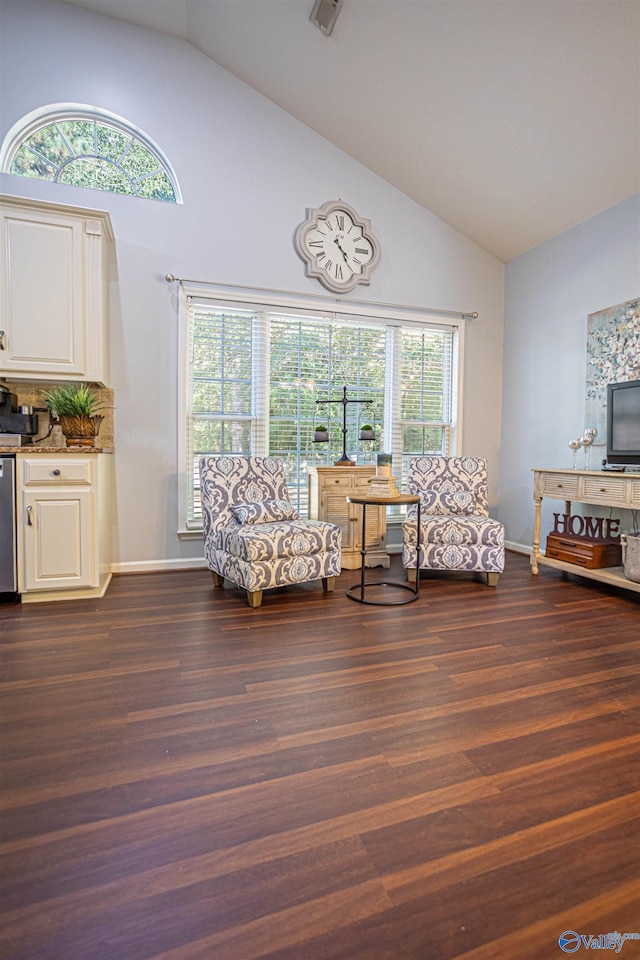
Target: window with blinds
(257, 381)
(426, 392)
(310, 360)
(219, 397)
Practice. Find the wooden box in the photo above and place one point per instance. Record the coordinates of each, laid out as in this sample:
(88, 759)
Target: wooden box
(584, 552)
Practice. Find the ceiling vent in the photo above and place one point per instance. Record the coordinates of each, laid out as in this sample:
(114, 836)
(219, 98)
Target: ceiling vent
(325, 13)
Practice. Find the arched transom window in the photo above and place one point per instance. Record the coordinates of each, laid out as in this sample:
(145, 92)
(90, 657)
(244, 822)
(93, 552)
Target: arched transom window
(86, 147)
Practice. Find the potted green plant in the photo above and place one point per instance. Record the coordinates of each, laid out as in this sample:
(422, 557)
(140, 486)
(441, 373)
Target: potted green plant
(367, 432)
(320, 434)
(76, 407)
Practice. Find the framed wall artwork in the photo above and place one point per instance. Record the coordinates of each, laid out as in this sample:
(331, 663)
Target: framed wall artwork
(613, 355)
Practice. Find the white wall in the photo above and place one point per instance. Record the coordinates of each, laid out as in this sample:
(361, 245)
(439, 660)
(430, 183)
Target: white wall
(548, 294)
(247, 171)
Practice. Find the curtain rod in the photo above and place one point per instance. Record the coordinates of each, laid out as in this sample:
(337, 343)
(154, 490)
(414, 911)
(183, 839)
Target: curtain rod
(170, 278)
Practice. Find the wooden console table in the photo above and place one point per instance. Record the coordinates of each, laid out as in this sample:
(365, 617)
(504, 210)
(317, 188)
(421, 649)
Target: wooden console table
(607, 489)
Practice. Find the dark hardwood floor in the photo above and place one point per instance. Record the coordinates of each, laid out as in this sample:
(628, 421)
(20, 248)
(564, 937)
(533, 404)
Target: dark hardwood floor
(186, 778)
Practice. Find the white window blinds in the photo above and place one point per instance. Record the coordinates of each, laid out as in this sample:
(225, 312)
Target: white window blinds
(254, 375)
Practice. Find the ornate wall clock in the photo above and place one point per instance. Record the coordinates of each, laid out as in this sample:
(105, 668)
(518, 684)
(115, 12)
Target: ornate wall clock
(337, 246)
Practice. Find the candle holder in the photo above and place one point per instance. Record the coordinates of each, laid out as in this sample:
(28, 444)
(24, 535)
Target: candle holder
(575, 445)
(383, 465)
(587, 438)
(383, 484)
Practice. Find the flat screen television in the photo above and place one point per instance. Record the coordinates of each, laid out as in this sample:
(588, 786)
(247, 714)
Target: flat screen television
(623, 422)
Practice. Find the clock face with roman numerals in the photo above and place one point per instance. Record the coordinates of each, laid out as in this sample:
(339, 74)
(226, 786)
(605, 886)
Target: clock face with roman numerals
(337, 246)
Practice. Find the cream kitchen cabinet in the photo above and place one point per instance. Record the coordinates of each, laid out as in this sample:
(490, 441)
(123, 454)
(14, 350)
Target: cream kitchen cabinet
(63, 526)
(329, 488)
(54, 265)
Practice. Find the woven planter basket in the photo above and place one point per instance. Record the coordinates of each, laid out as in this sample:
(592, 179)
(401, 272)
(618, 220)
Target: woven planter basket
(631, 556)
(80, 431)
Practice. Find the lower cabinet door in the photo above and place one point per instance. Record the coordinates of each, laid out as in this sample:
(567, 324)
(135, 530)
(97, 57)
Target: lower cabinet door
(59, 540)
(337, 510)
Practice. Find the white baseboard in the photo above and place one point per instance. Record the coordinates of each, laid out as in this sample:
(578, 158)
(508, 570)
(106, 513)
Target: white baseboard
(197, 563)
(518, 547)
(154, 566)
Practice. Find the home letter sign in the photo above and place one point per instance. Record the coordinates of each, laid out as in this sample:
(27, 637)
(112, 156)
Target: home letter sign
(591, 528)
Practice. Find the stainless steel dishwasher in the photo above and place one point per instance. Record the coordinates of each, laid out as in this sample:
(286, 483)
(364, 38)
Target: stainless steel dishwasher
(8, 567)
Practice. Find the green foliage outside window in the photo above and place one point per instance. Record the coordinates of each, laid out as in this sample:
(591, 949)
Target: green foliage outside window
(242, 361)
(94, 154)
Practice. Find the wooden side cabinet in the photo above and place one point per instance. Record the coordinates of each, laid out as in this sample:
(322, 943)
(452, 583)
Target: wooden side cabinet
(329, 488)
(583, 486)
(63, 548)
(54, 283)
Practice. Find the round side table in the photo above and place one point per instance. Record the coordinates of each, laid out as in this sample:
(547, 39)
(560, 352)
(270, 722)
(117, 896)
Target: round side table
(357, 591)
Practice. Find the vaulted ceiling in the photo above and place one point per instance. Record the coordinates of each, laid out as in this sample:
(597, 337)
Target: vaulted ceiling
(511, 120)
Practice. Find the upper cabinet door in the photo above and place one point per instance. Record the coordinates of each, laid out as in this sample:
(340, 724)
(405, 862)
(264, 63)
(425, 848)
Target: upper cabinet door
(42, 280)
(53, 311)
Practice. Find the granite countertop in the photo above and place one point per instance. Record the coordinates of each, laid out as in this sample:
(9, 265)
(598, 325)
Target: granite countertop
(31, 448)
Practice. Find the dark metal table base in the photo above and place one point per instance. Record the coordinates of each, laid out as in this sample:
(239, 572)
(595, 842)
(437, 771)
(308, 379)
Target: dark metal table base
(384, 583)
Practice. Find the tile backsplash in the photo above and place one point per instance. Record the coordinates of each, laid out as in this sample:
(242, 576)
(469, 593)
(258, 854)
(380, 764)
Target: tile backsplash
(30, 394)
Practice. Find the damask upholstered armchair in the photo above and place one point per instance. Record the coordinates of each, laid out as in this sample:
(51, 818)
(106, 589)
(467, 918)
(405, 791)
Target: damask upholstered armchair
(456, 530)
(254, 536)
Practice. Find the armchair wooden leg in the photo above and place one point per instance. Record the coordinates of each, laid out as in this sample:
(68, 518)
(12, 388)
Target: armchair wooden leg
(411, 574)
(328, 584)
(218, 581)
(254, 598)
(492, 579)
